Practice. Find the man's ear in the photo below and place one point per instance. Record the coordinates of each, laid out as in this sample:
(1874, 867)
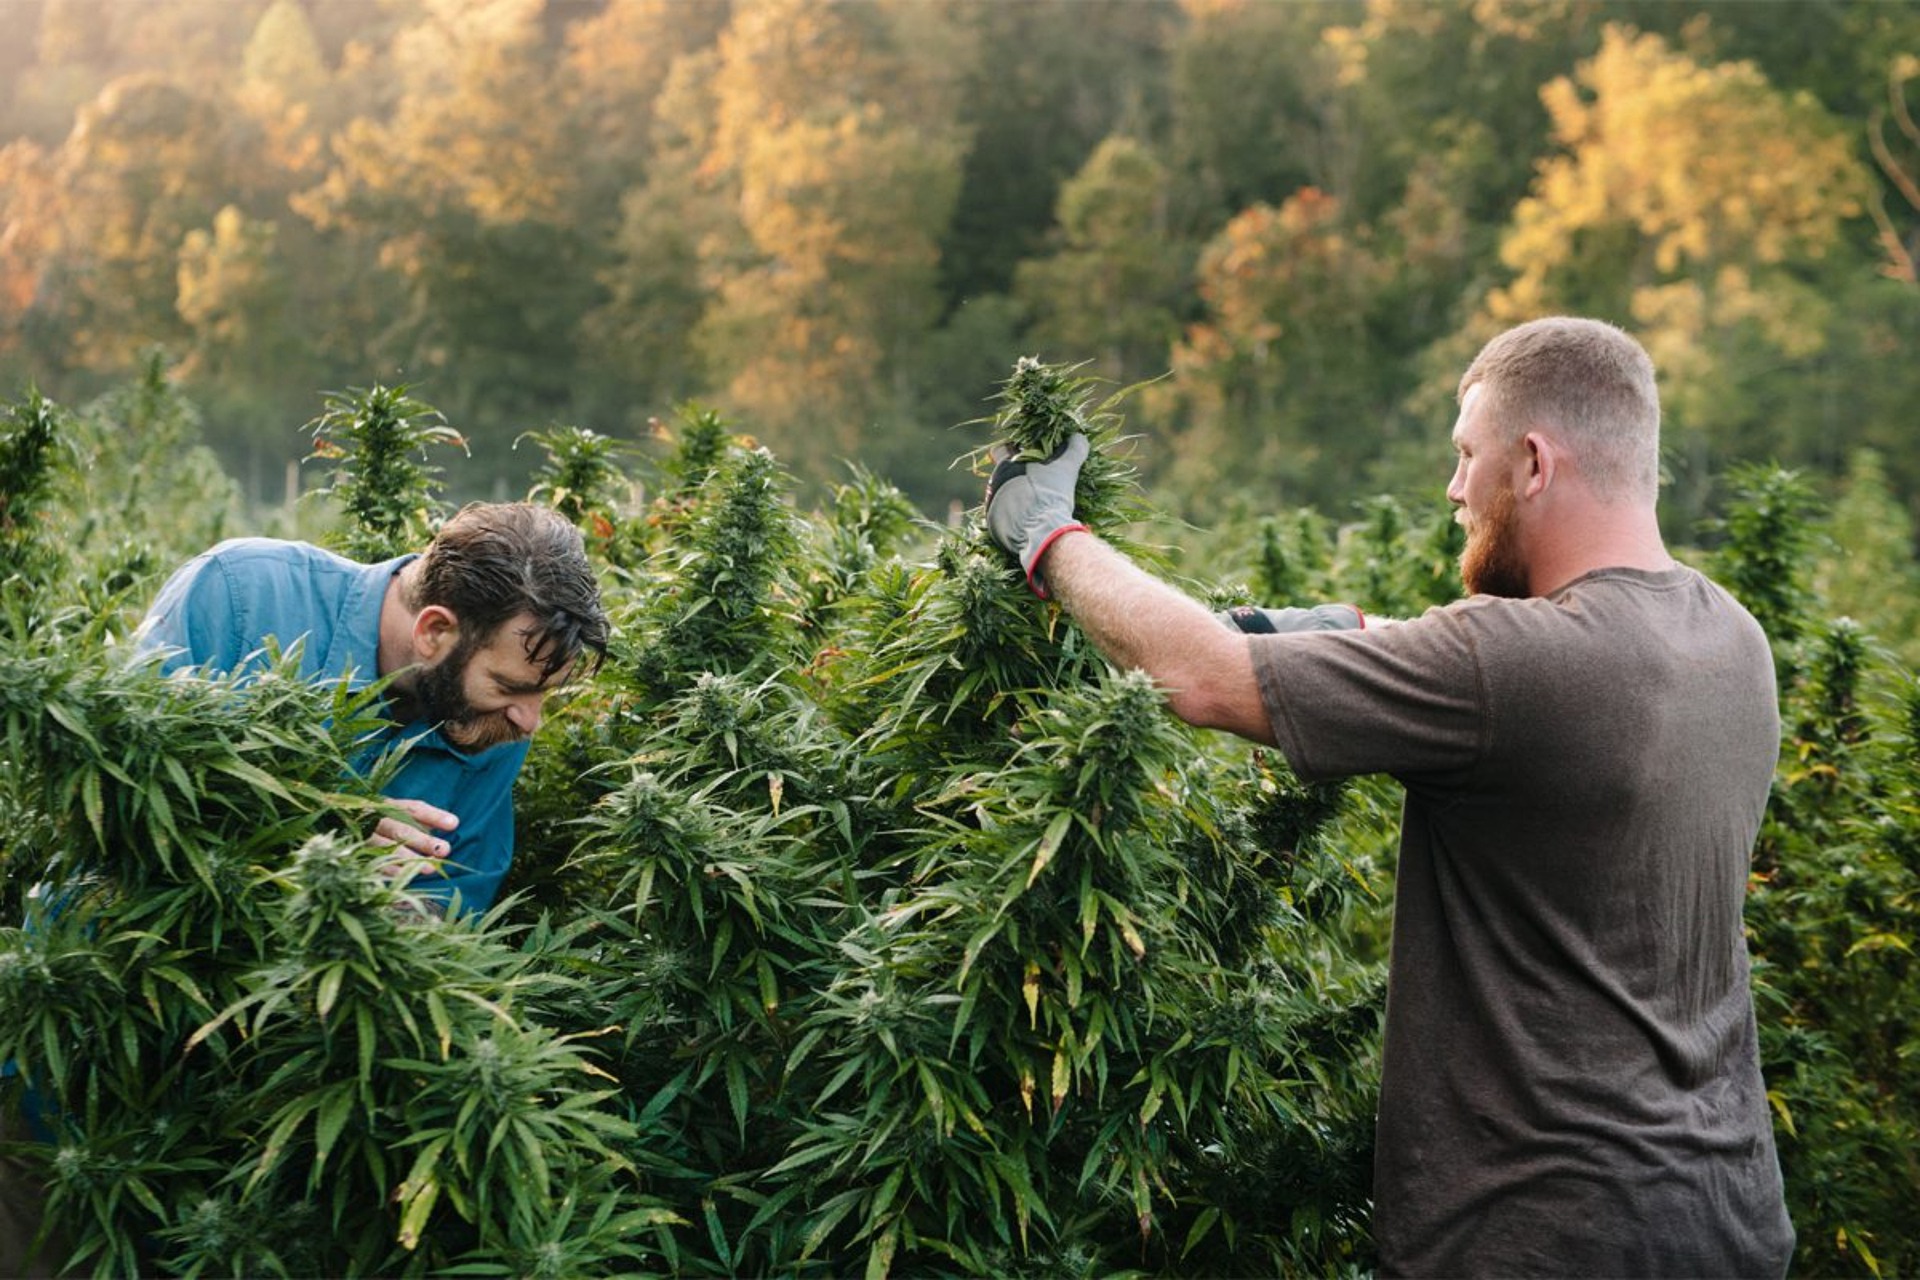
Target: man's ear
(435, 633)
(1541, 461)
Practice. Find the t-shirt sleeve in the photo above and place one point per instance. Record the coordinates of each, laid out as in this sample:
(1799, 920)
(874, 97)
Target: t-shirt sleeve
(1407, 700)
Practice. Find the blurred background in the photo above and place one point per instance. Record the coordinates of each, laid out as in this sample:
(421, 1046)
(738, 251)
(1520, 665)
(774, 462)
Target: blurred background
(841, 223)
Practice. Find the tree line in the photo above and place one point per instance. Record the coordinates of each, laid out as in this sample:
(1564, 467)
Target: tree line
(1285, 221)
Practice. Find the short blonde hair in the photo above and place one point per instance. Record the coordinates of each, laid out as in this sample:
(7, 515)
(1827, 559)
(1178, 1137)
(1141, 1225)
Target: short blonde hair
(1587, 381)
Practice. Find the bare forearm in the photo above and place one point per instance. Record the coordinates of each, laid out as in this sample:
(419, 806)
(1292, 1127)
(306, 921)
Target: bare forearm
(1140, 622)
(1131, 615)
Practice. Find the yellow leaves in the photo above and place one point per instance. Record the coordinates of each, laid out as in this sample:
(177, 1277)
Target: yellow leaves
(476, 128)
(840, 200)
(1348, 48)
(221, 270)
(1274, 271)
(1522, 19)
(1778, 1101)
(1201, 10)
(1669, 317)
(862, 190)
(1855, 1241)
(30, 225)
(841, 184)
(1880, 942)
(1049, 845)
(782, 61)
(284, 55)
(1683, 193)
(1707, 163)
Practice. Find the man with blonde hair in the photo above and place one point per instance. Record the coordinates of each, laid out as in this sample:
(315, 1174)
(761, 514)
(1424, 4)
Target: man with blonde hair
(1571, 1080)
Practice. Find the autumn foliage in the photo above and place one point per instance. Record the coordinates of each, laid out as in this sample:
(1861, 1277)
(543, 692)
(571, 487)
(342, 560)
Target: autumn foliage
(837, 221)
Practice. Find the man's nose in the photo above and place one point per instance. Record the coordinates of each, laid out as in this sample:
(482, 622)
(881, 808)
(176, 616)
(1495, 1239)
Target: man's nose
(524, 714)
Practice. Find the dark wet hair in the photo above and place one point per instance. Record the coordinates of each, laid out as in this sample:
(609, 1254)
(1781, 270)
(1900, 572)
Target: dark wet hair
(496, 560)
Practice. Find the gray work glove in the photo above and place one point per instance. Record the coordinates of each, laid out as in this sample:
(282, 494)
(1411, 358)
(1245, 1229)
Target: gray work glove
(1030, 503)
(1266, 622)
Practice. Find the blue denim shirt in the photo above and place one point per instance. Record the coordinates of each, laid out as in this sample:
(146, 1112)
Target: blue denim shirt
(219, 609)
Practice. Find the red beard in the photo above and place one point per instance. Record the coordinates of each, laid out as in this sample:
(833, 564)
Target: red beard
(1491, 564)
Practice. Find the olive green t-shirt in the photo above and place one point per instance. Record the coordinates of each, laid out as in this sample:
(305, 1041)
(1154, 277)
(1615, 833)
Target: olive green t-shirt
(1571, 1079)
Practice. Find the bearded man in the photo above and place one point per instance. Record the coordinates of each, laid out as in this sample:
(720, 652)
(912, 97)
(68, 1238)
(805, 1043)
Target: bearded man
(470, 635)
(1571, 1081)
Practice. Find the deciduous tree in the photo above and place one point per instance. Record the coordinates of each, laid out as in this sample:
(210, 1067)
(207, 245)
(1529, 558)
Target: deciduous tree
(1706, 239)
(1113, 288)
(835, 140)
(1274, 375)
(1897, 151)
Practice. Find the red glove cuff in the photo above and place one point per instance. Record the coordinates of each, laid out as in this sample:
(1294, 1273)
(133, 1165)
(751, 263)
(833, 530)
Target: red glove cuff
(1033, 574)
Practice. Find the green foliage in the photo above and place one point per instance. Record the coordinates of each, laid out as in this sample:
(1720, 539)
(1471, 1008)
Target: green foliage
(135, 448)
(1292, 559)
(378, 439)
(1831, 909)
(91, 495)
(1393, 561)
(1865, 569)
(581, 474)
(893, 1001)
(255, 1054)
(1764, 560)
(1041, 406)
(865, 993)
(1116, 281)
(866, 521)
(839, 221)
(889, 1033)
(1396, 567)
(866, 922)
(27, 457)
(724, 589)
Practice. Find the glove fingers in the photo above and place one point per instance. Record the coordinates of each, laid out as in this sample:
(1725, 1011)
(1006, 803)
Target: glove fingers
(1009, 465)
(1008, 468)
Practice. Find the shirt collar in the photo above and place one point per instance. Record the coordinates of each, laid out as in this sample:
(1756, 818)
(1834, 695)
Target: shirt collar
(355, 647)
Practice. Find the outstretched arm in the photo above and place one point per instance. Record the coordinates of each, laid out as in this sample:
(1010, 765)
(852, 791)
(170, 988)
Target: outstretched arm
(1140, 622)
(1200, 658)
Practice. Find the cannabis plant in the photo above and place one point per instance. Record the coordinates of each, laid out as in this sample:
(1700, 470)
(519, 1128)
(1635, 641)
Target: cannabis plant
(582, 473)
(29, 447)
(378, 440)
(1835, 885)
(864, 920)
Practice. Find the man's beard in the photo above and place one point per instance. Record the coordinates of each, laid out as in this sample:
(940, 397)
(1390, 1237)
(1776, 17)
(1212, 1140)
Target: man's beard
(1491, 564)
(441, 694)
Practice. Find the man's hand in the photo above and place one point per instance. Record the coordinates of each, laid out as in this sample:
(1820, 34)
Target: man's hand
(1029, 504)
(417, 836)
